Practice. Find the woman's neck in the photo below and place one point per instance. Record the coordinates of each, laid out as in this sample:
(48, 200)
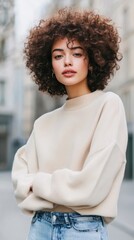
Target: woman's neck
(77, 91)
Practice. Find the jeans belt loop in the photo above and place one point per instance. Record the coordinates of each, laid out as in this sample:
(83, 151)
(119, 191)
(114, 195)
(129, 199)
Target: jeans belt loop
(67, 220)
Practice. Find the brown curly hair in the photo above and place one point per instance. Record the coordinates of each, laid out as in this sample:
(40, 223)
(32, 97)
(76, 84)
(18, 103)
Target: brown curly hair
(96, 33)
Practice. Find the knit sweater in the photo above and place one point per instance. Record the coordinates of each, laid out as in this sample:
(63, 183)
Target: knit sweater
(75, 158)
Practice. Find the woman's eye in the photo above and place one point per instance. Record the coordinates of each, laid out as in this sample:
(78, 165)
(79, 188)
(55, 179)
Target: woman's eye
(57, 57)
(77, 54)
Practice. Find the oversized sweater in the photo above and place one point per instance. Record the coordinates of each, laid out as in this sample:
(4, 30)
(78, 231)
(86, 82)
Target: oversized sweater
(75, 158)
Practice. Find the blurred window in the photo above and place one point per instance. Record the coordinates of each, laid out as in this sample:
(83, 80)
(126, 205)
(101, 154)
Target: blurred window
(125, 20)
(126, 63)
(127, 104)
(2, 93)
(3, 145)
(91, 3)
(2, 50)
(129, 156)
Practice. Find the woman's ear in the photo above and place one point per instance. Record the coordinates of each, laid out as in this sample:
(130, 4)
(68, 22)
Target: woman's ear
(53, 74)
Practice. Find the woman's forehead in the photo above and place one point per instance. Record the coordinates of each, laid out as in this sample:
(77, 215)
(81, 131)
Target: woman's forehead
(65, 42)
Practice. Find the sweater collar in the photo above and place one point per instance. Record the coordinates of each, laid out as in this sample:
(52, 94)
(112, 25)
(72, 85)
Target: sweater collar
(84, 100)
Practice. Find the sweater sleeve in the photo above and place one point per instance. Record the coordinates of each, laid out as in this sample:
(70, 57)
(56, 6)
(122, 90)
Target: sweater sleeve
(22, 177)
(105, 159)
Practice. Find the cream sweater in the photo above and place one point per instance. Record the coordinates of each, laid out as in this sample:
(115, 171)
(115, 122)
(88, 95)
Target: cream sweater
(75, 158)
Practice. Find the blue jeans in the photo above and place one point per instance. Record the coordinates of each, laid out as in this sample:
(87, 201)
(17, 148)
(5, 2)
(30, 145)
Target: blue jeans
(67, 226)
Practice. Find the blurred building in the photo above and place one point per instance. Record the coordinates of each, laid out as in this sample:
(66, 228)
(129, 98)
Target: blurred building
(15, 100)
(6, 82)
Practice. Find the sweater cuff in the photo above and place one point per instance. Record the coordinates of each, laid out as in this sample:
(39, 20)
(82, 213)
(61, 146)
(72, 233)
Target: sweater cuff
(33, 203)
(24, 186)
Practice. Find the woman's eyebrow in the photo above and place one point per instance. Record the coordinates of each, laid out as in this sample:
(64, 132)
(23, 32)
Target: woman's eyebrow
(58, 49)
(77, 47)
(72, 48)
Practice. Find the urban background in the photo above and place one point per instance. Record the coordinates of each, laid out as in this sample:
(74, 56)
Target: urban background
(21, 102)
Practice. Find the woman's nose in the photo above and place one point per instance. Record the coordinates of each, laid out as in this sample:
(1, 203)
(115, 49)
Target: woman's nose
(67, 60)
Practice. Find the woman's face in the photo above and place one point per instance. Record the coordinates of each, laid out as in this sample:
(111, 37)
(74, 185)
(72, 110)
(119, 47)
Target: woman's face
(69, 62)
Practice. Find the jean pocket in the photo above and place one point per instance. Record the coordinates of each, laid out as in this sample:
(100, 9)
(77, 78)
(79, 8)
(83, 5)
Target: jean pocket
(85, 226)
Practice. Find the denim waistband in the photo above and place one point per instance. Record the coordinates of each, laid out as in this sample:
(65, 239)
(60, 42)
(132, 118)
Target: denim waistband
(64, 218)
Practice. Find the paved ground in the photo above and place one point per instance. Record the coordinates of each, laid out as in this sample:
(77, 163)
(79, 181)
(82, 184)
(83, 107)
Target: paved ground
(14, 225)
(123, 227)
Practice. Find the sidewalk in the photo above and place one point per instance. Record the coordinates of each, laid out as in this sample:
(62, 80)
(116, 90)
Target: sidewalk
(14, 225)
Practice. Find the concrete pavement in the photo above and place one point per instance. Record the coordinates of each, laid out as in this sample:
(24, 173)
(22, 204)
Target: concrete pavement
(14, 225)
(122, 227)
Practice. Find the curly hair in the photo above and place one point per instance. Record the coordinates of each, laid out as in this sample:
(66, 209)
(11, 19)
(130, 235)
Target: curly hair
(96, 33)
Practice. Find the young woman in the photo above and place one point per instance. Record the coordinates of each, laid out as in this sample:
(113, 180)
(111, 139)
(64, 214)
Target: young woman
(69, 173)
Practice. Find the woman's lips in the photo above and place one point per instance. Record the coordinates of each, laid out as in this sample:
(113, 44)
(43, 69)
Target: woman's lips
(69, 73)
